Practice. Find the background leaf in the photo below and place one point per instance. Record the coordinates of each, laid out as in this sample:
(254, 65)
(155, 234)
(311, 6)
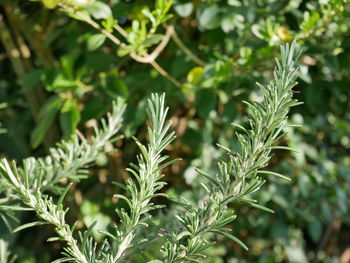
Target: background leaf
(46, 117)
(95, 41)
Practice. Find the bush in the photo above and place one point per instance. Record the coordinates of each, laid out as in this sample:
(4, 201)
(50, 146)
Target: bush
(206, 56)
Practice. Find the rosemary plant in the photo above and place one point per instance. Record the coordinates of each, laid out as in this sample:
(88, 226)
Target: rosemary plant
(5, 255)
(242, 174)
(67, 161)
(147, 176)
(140, 191)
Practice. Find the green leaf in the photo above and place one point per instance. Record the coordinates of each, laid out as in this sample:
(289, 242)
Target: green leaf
(6, 171)
(259, 31)
(109, 23)
(123, 51)
(227, 24)
(274, 174)
(95, 41)
(210, 178)
(58, 83)
(69, 117)
(31, 79)
(50, 3)
(284, 148)
(195, 75)
(160, 4)
(98, 10)
(46, 117)
(153, 39)
(233, 238)
(163, 5)
(31, 224)
(15, 208)
(62, 196)
(184, 9)
(210, 18)
(67, 63)
(315, 229)
(261, 207)
(206, 101)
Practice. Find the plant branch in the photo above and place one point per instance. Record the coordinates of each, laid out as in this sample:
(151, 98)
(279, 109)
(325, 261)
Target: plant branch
(147, 176)
(147, 58)
(151, 59)
(44, 208)
(186, 50)
(239, 177)
(28, 183)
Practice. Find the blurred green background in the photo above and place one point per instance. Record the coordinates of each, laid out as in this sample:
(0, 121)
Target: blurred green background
(57, 75)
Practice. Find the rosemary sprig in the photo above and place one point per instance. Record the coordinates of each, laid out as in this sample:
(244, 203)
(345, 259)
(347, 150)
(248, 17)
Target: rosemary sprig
(139, 192)
(147, 176)
(241, 175)
(27, 184)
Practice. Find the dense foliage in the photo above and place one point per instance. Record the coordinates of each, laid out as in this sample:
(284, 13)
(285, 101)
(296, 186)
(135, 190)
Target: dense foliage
(64, 62)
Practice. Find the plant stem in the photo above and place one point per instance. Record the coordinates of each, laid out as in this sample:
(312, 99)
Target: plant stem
(240, 176)
(147, 59)
(186, 50)
(147, 175)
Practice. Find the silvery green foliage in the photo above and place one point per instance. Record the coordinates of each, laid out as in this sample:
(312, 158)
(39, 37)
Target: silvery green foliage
(28, 183)
(67, 161)
(5, 255)
(140, 190)
(147, 177)
(242, 173)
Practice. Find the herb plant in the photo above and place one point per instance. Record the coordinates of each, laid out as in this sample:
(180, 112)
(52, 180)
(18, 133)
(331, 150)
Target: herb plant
(63, 62)
(241, 175)
(238, 178)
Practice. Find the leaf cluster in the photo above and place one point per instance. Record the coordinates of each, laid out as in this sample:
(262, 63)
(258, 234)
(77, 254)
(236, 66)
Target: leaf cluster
(239, 176)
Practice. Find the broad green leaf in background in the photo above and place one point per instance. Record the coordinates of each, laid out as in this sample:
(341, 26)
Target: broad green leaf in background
(31, 79)
(50, 3)
(46, 117)
(153, 39)
(163, 5)
(184, 9)
(95, 41)
(209, 18)
(98, 10)
(206, 101)
(69, 117)
(195, 75)
(91, 213)
(315, 229)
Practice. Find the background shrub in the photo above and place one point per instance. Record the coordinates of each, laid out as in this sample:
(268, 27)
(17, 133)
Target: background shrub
(60, 74)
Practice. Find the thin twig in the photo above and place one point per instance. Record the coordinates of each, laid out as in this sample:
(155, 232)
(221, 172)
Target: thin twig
(165, 74)
(151, 59)
(147, 59)
(186, 50)
(121, 31)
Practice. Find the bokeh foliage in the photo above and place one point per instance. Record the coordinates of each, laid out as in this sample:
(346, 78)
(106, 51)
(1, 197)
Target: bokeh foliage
(59, 74)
